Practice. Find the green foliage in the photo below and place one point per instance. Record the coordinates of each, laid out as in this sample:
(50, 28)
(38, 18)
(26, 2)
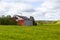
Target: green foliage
(6, 20)
(44, 32)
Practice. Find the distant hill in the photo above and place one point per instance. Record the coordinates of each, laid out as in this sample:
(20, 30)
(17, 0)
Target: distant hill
(58, 22)
(48, 22)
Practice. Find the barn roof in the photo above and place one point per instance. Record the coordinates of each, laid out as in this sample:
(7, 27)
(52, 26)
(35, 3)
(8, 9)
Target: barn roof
(23, 17)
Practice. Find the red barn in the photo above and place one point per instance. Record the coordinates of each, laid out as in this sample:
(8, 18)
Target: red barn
(23, 20)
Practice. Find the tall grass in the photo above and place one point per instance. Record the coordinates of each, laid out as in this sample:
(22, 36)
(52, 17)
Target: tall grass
(40, 32)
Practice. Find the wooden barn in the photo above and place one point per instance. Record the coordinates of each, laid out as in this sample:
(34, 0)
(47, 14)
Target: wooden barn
(24, 21)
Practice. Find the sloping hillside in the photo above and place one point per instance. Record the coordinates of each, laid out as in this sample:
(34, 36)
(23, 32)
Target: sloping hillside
(58, 22)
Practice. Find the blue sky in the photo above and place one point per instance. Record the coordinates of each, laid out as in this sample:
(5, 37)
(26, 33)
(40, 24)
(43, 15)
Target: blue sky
(39, 9)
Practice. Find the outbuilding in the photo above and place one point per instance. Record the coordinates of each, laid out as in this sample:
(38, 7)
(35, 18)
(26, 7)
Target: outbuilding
(24, 21)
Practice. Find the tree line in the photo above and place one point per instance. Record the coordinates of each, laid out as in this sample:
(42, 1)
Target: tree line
(42, 22)
(7, 20)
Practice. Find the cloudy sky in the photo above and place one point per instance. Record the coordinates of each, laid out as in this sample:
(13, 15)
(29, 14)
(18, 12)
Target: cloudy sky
(39, 9)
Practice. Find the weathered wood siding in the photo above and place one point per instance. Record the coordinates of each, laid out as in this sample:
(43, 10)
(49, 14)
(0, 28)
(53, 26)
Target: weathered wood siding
(28, 22)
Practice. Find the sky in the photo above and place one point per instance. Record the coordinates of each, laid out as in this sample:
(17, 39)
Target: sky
(39, 9)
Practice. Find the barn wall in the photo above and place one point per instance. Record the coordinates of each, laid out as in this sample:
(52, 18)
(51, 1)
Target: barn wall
(20, 22)
(28, 22)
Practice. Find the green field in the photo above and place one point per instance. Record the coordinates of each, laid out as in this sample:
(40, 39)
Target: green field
(41, 32)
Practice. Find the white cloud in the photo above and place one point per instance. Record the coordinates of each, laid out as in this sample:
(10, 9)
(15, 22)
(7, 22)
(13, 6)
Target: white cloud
(22, 0)
(48, 10)
(13, 8)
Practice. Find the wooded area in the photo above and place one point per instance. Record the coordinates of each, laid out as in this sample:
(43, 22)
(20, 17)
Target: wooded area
(7, 20)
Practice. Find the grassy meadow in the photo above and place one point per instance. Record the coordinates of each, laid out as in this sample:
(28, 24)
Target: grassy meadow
(40, 32)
